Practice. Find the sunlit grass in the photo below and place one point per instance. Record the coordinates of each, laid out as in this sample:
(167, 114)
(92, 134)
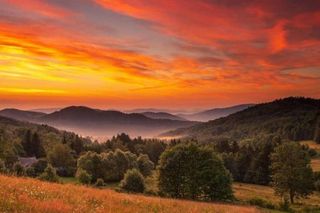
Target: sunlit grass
(30, 195)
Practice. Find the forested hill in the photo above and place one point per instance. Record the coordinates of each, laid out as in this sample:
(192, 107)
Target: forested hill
(12, 132)
(293, 118)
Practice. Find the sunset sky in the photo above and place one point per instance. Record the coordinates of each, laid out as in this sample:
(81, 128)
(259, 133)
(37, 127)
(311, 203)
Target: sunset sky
(179, 54)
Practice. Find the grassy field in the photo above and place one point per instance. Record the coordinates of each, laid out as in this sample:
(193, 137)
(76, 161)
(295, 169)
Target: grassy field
(247, 192)
(30, 195)
(312, 145)
(315, 162)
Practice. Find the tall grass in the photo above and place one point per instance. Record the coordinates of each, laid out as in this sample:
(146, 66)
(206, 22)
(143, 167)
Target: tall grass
(30, 195)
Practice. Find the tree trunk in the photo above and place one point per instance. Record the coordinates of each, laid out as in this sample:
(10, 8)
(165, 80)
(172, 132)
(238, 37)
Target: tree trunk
(292, 197)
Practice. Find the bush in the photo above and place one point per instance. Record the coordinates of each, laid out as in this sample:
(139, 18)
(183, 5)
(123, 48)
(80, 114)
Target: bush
(261, 203)
(18, 169)
(99, 182)
(83, 176)
(49, 174)
(40, 166)
(133, 181)
(30, 172)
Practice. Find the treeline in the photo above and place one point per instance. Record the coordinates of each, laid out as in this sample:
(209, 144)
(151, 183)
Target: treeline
(250, 160)
(293, 118)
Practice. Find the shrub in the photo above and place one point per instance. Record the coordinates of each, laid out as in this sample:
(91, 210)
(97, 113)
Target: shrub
(99, 182)
(30, 172)
(83, 176)
(18, 169)
(40, 166)
(49, 174)
(133, 181)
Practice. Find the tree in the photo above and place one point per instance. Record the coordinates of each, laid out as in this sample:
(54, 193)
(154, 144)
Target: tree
(145, 165)
(61, 158)
(49, 174)
(190, 171)
(291, 172)
(83, 176)
(92, 163)
(27, 143)
(37, 148)
(133, 181)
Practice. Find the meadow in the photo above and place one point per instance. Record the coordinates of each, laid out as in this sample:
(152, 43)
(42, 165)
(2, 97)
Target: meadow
(31, 195)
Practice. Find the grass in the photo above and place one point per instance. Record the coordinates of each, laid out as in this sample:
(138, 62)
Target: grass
(247, 192)
(312, 145)
(315, 162)
(31, 195)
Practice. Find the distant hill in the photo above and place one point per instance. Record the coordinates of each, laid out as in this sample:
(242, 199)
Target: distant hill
(21, 114)
(213, 114)
(162, 115)
(291, 118)
(100, 123)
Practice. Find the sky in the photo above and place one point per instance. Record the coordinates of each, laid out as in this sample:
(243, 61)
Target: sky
(173, 54)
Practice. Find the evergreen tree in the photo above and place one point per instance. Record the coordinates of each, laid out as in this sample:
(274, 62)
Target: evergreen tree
(27, 143)
(37, 148)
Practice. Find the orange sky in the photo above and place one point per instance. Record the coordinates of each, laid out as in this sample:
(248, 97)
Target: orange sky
(149, 53)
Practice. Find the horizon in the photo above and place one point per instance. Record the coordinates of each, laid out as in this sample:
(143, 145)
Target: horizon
(157, 54)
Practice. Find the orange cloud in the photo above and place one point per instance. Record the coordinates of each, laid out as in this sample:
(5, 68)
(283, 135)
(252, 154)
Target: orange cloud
(41, 7)
(187, 53)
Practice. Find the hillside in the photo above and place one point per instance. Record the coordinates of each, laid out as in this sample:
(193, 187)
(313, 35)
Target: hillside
(100, 123)
(291, 118)
(12, 132)
(213, 114)
(30, 195)
(162, 115)
(21, 114)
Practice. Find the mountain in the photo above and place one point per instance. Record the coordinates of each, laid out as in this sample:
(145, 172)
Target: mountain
(292, 118)
(101, 123)
(213, 114)
(162, 115)
(21, 114)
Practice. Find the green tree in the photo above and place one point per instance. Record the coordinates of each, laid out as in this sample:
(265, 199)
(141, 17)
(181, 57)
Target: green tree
(292, 175)
(190, 171)
(92, 163)
(133, 181)
(27, 143)
(61, 158)
(83, 176)
(37, 148)
(145, 165)
(49, 174)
